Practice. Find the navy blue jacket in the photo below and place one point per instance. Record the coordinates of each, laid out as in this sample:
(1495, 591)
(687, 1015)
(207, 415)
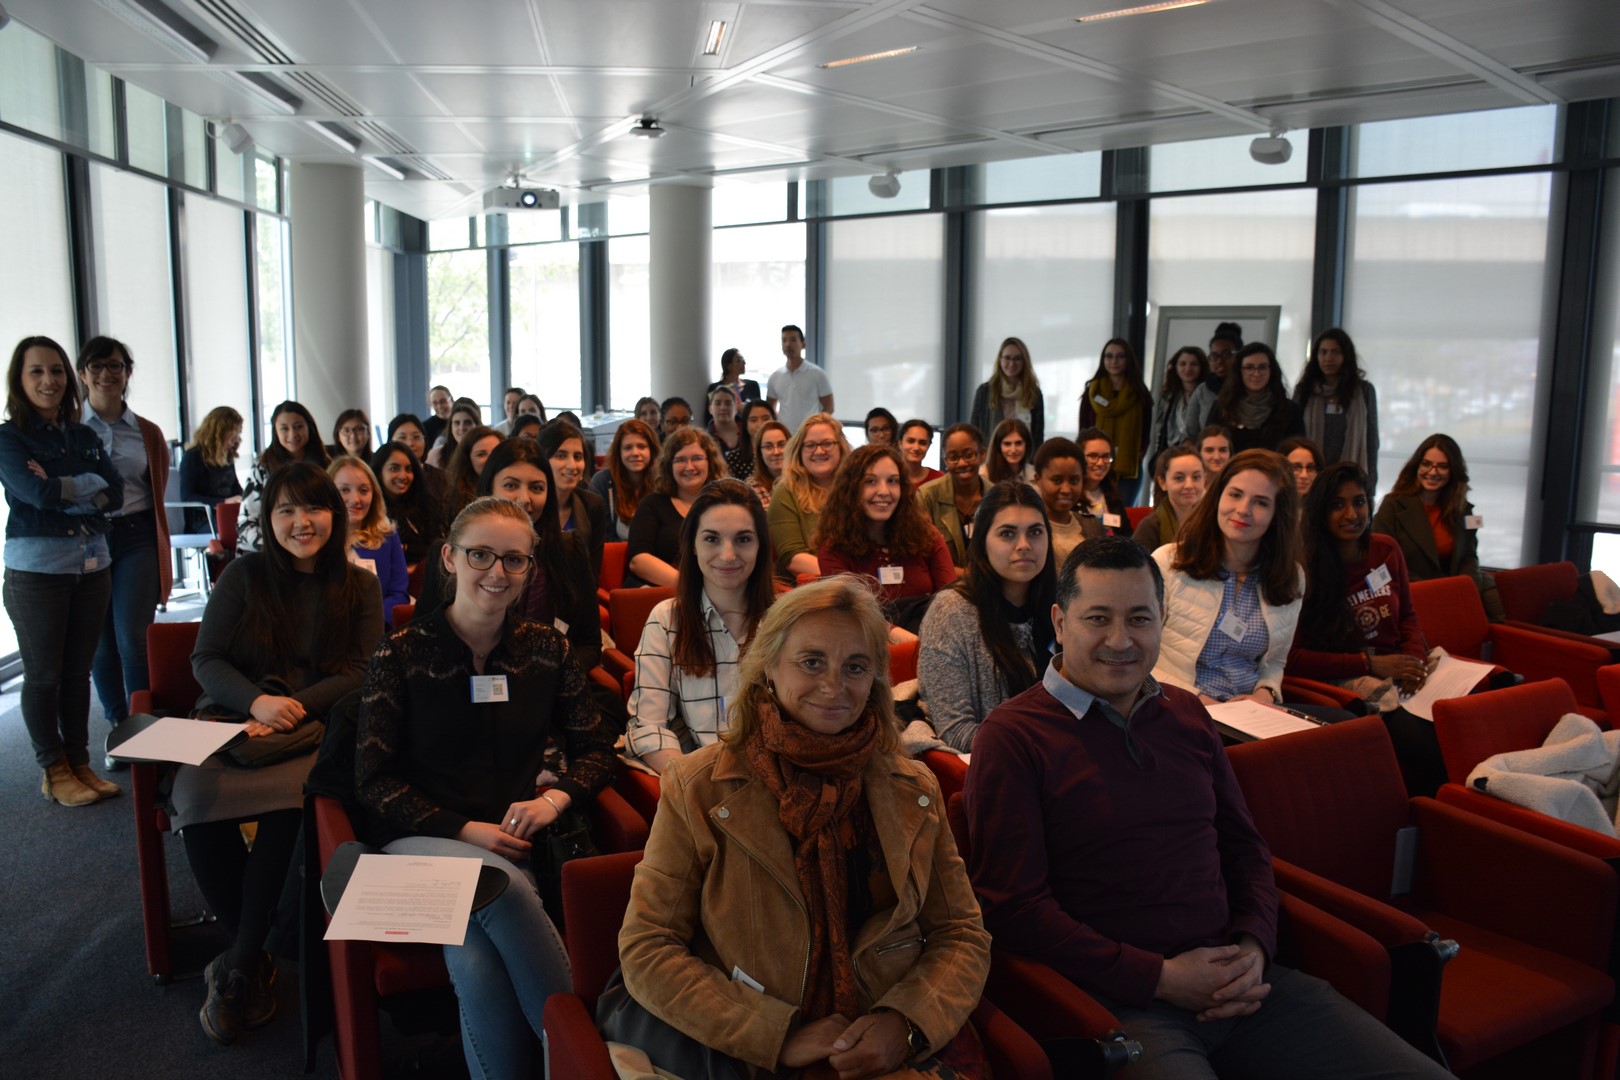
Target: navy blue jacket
(42, 507)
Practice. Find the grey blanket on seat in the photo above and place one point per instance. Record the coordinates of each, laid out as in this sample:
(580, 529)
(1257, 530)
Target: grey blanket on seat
(1573, 776)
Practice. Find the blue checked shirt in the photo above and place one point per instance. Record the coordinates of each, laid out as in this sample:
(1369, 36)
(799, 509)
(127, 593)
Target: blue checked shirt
(1228, 668)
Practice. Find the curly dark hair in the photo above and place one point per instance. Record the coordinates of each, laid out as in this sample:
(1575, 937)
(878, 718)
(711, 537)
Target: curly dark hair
(843, 522)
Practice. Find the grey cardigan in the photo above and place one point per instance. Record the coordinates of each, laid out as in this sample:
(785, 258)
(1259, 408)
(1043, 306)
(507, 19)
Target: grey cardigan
(958, 683)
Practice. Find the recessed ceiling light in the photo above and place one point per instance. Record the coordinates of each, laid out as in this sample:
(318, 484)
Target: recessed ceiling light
(1145, 9)
(711, 40)
(889, 55)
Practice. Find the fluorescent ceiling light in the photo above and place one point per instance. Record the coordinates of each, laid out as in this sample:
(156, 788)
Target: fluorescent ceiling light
(890, 54)
(164, 26)
(711, 41)
(382, 166)
(274, 96)
(335, 134)
(1145, 9)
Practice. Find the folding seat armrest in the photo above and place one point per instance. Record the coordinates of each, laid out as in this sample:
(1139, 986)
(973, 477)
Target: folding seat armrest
(140, 702)
(1312, 692)
(1044, 1003)
(1533, 822)
(618, 826)
(1328, 947)
(1566, 635)
(617, 663)
(1515, 884)
(1388, 925)
(1536, 655)
(1010, 1049)
(574, 1048)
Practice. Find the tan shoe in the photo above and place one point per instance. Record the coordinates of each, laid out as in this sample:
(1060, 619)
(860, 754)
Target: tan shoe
(105, 789)
(60, 785)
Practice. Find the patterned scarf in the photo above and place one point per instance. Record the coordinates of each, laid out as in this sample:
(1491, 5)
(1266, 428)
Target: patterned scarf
(817, 783)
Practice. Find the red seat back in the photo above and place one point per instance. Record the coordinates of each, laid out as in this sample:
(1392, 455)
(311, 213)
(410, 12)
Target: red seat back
(1329, 800)
(628, 610)
(1137, 514)
(174, 688)
(1452, 615)
(1527, 591)
(403, 614)
(615, 556)
(948, 768)
(902, 662)
(226, 515)
(595, 892)
(1472, 728)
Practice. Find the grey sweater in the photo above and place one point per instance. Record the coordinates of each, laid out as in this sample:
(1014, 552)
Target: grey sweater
(958, 682)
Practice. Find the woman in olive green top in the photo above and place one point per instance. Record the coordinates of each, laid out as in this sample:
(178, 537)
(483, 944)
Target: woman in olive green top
(950, 500)
(813, 457)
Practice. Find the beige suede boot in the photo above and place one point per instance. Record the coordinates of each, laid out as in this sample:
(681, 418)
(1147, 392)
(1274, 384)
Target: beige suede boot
(60, 785)
(104, 789)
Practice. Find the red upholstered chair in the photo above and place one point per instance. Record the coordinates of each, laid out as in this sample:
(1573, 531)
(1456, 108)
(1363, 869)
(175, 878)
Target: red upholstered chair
(641, 790)
(1527, 591)
(1453, 617)
(902, 662)
(595, 895)
(1608, 680)
(628, 610)
(174, 692)
(222, 548)
(1311, 692)
(1533, 919)
(615, 556)
(1137, 514)
(805, 579)
(403, 613)
(948, 768)
(416, 577)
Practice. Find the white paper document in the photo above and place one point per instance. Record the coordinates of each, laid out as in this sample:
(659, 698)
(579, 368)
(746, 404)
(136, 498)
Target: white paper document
(421, 898)
(1450, 678)
(1257, 720)
(174, 738)
(1612, 635)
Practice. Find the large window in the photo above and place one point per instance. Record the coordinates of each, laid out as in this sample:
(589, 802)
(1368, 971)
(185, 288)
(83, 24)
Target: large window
(1045, 275)
(134, 287)
(630, 320)
(380, 339)
(216, 310)
(275, 337)
(35, 280)
(885, 315)
(758, 288)
(1600, 468)
(545, 324)
(1482, 140)
(1444, 300)
(1221, 163)
(458, 323)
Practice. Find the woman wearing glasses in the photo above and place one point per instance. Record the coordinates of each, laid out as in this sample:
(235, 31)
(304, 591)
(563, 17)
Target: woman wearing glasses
(813, 457)
(1255, 405)
(1428, 514)
(1100, 498)
(455, 717)
(688, 460)
(951, 500)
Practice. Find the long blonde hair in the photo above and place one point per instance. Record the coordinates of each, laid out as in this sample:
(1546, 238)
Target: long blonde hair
(809, 496)
(214, 432)
(375, 528)
(1028, 385)
(842, 592)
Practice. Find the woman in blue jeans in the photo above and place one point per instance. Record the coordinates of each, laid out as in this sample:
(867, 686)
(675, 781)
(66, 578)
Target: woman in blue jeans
(139, 532)
(60, 486)
(455, 718)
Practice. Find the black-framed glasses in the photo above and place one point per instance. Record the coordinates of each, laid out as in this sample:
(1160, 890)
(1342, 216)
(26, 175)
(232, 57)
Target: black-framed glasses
(98, 367)
(483, 559)
(1099, 459)
(1434, 466)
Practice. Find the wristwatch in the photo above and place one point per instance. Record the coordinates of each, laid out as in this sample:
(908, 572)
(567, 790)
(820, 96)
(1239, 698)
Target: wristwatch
(916, 1041)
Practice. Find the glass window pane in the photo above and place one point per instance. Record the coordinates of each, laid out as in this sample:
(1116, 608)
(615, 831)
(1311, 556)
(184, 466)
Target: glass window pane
(266, 182)
(629, 320)
(629, 214)
(851, 195)
(102, 138)
(534, 227)
(1046, 276)
(1479, 140)
(757, 288)
(29, 92)
(740, 203)
(545, 324)
(188, 163)
(146, 119)
(130, 220)
(450, 235)
(230, 172)
(885, 315)
(1600, 475)
(1221, 163)
(38, 289)
(1051, 176)
(216, 309)
(380, 337)
(275, 352)
(458, 322)
(1444, 298)
(1244, 249)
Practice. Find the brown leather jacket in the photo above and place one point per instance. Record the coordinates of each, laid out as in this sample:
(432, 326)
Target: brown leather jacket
(716, 898)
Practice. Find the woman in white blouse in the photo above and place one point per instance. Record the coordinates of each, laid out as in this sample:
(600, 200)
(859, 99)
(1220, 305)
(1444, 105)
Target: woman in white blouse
(686, 664)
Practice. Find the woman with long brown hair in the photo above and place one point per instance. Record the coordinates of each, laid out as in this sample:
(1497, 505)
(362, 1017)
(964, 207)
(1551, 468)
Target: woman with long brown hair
(628, 475)
(771, 440)
(690, 458)
(1117, 402)
(813, 456)
(1254, 402)
(1011, 393)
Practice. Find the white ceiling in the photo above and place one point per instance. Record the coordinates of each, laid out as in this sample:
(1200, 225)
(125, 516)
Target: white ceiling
(472, 91)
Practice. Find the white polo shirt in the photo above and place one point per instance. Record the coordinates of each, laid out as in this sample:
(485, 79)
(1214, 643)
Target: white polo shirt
(798, 394)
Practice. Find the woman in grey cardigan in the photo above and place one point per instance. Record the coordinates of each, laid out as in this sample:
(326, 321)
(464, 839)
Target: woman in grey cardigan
(989, 636)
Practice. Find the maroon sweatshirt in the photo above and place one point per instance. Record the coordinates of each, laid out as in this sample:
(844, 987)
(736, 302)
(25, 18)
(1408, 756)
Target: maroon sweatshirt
(1385, 615)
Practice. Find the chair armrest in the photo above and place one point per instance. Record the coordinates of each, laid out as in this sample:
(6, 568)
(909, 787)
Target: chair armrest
(1044, 1003)
(602, 600)
(1567, 635)
(618, 826)
(617, 663)
(641, 790)
(1318, 943)
(1312, 692)
(1389, 926)
(1515, 884)
(574, 1048)
(141, 702)
(1533, 822)
(1539, 656)
(332, 827)
(1010, 1050)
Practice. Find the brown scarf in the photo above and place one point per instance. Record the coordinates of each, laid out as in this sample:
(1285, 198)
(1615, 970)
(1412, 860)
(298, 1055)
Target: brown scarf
(817, 783)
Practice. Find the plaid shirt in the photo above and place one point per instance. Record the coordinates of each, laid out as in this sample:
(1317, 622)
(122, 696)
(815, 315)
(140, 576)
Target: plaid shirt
(669, 709)
(1227, 668)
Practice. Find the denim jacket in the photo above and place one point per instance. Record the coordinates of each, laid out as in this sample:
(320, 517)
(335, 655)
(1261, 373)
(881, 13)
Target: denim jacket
(67, 502)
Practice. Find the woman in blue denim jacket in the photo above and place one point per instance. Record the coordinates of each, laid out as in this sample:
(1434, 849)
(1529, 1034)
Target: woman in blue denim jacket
(60, 484)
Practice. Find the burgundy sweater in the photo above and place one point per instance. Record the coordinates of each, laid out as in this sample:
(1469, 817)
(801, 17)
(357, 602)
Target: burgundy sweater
(1387, 619)
(923, 573)
(1101, 850)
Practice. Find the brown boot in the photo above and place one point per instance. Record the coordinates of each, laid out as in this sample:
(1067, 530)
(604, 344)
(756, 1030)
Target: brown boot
(106, 789)
(60, 785)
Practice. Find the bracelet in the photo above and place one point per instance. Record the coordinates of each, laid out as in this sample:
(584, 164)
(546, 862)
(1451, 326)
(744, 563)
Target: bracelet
(546, 795)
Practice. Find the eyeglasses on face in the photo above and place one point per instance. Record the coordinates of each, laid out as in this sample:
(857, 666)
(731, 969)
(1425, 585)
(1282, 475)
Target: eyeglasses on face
(820, 447)
(111, 367)
(1099, 459)
(1434, 466)
(483, 559)
(962, 457)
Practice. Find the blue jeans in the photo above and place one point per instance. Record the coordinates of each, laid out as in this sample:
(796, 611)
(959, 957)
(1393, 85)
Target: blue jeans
(57, 617)
(120, 665)
(511, 961)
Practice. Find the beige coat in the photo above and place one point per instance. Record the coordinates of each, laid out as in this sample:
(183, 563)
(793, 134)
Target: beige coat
(717, 895)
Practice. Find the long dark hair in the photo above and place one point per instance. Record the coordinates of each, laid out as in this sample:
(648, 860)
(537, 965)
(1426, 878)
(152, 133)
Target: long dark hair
(1110, 482)
(266, 628)
(693, 653)
(1453, 498)
(566, 560)
(1350, 375)
(459, 474)
(628, 490)
(275, 455)
(981, 585)
(18, 407)
(1201, 546)
(1170, 387)
(843, 521)
(1233, 390)
(995, 464)
(343, 418)
(416, 505)
(1133, 368)
(450, 439)
(1324, 617)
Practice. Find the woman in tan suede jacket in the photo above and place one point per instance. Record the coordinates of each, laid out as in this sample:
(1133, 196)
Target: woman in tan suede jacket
(737, 933)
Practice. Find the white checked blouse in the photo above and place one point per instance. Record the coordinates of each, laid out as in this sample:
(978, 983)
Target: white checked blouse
(669, 709)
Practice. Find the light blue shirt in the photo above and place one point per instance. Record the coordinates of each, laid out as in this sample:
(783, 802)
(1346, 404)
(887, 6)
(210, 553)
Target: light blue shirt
(127, 448)
(1079, 702)
(1228, 667)
(77, 554)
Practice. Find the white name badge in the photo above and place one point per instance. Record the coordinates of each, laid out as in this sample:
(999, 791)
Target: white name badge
(967, 529)
(90, 564)
(891, 575)
(739, 975)
(1334, 408)
(1234, 627)
(1111, 520)
(562, 627)
(487, 688)
(1473, 521)
(367, 564)
(1100, 400)
(1378, 578)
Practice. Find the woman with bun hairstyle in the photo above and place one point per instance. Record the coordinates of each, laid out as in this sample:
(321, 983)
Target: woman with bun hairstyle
(1223, 349)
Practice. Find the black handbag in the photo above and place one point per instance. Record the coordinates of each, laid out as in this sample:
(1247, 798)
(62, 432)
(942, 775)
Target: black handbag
(564, 840)
(622, 1019)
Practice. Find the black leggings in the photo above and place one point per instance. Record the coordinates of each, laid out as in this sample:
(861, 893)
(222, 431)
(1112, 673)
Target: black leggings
(243, 887)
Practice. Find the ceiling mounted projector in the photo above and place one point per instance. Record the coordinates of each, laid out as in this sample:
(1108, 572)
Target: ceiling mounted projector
(886, 186)
(234, 136)
(1272, 149)
(520, 198)
(647, 127)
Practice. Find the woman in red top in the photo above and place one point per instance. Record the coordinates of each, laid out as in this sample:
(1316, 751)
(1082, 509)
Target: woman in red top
(872, 524)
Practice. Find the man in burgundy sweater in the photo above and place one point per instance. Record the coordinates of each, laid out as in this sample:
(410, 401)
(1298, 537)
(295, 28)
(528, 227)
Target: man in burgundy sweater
(1110, 840)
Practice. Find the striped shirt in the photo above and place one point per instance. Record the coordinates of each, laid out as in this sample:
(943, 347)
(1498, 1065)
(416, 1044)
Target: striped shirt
(1228, 666)
(669, 709)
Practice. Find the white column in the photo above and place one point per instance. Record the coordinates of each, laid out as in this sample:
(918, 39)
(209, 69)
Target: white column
(682, 244)
(331, 361)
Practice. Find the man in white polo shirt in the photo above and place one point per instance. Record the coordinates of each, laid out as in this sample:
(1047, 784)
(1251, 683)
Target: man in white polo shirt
(799, 388)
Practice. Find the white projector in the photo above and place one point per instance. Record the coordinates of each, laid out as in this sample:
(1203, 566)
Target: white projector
(511, 198)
